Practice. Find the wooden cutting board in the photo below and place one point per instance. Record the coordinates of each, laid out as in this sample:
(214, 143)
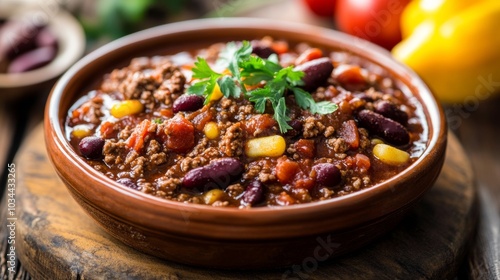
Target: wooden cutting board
(57, 240)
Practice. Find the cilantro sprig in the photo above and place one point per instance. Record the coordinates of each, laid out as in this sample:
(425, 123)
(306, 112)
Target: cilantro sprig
(250, 70)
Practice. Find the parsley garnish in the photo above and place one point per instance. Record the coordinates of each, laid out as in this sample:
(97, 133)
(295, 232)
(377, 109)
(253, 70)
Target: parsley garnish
(251, 70)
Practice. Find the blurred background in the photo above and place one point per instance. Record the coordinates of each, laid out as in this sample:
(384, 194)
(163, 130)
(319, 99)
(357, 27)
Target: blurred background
(454, 45)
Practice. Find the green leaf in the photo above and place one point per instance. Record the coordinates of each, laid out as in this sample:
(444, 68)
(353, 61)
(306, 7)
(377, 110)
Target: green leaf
(202, 70)
(324, 107)
(197, 88)
(280, 115)
(228, 87)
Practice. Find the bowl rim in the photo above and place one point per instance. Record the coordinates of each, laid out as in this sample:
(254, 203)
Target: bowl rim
(71, 39)
(432, 112)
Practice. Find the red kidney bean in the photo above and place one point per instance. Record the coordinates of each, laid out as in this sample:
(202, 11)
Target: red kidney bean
(217, 175)
(46, 38)
(254, 193)
(316, 72)
(391, 131)
(296, 128)
(262, 51)
(327, 174)
(91, 147)
(187, 103)
(391, 111)
(128, 183)
(32, 60)
(17, 37)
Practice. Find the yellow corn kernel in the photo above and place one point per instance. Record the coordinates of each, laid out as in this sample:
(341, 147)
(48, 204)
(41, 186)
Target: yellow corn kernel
(81, 131)
(390, 155)
(270, 146)
(376, 141)
(213, 195)
(211, 130)
(216, 93)
(126, 108)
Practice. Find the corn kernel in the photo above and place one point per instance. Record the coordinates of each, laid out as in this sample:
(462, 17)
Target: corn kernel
(270, 146)
(376, 141)
(81, 131)
(213, 195)
(390, 155)
(126, 108)
(211, 130)
(216, 93)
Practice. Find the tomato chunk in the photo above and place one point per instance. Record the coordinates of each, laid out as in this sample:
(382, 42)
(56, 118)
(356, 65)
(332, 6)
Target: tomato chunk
(180, 134)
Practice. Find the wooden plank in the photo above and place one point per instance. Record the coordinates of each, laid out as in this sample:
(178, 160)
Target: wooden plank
(57, 240)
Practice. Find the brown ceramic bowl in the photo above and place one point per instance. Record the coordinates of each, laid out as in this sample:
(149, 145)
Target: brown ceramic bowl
(71, 46)
(227, 237)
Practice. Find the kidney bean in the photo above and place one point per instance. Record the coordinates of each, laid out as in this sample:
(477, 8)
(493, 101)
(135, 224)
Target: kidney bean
(217, 175)
(296, 128)
(32, 60)
(187, 103)
(262, 51)
(17, 37)
(254, 193)
(128, 183)
(327, 174)
(46, 38)
(91, 147)
(391, 131)
(391, 111)
(316, 72)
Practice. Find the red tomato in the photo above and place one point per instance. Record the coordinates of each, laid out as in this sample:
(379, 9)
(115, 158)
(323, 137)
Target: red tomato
(377, 21)
(324, 8)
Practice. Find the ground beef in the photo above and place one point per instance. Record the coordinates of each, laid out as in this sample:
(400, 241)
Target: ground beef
(231, 144)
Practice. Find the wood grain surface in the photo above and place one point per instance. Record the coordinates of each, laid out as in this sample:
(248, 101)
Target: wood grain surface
(57, 240)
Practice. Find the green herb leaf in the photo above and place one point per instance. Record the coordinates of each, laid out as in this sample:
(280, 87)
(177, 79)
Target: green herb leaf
(228, 87)
(247, 69)
(202, 70)
(280, 115)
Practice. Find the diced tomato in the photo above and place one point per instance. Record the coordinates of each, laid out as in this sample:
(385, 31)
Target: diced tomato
(180, 134)
(349, 131)
(304, 183)
(280, 47)
(286, 170)
(167, 112)
(305, 148)
(259, 123)
(362, 162)
(201, 119)
(136, 139)
(107, 129)
(308, 55)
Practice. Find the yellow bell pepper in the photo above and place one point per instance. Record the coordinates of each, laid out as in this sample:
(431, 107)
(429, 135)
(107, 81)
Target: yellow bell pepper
(439, 11)
(460, 58)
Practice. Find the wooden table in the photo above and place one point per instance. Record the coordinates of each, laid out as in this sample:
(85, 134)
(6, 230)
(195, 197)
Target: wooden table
(475, 125)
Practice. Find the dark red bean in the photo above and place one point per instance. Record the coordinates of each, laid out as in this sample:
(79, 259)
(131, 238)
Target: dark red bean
(129, 183)
(262, 51)
(296, 128)
(46, 38)
(32, 60)
(17, 37)
(327, 174)
(91, 147)
(316, 72)
(217, 175)
(254, 193)
(391, 131)
(391, 111)
(187, 103)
